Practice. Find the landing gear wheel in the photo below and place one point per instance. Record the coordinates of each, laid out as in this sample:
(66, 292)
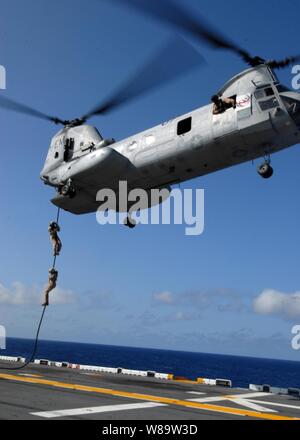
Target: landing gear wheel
(68, 191)
(130, 223)
(265, 170)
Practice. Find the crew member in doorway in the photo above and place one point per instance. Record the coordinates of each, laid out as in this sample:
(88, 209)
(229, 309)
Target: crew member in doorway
(220, 105)
(53, 274)
(55, 240)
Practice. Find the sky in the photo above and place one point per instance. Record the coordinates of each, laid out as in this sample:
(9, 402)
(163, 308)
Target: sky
(235, 289)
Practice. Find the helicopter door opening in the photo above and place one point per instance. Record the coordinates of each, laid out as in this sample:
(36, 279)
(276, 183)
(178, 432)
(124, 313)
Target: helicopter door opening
(69, 149)
(225, 123)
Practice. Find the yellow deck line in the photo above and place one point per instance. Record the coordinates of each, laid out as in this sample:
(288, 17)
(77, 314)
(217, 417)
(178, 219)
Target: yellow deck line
(185, 381)
(166, 400)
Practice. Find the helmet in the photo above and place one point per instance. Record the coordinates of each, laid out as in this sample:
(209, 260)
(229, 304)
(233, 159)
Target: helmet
(215, 98)
(54, 225)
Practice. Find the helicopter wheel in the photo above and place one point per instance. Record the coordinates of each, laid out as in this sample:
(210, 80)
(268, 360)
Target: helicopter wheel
(130, 223)
(265, 170)
(68, 191)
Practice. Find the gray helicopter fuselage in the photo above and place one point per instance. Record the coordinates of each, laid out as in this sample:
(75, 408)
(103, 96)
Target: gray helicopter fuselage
(266, 120)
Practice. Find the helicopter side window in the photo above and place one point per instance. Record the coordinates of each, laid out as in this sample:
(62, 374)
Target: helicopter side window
(56, 155)
(184, 126)
(132, 146)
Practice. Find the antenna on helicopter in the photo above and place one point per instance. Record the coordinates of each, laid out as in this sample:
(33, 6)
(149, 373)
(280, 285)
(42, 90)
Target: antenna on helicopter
(159, 70)
(170, 12)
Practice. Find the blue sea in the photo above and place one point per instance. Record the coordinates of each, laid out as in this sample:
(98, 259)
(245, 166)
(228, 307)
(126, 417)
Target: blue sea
(241, 370)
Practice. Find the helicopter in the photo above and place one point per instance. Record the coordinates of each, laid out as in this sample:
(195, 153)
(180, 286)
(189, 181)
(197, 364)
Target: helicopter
(264, 118)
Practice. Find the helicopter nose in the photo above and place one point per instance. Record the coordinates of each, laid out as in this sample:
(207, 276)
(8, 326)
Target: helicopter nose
(44, 178)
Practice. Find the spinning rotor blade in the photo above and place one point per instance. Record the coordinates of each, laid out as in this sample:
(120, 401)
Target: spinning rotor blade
(283, 63)
(171, 13)
(9, 104)
(175, 60)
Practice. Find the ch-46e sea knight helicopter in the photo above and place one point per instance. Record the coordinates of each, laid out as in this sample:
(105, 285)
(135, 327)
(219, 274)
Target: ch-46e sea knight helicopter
(265, 119)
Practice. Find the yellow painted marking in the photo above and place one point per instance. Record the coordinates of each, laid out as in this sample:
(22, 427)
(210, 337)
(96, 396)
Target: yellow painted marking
(185, 381)
(166, 400)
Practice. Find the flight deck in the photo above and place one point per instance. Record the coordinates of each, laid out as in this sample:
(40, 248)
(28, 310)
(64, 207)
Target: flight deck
(43, 392)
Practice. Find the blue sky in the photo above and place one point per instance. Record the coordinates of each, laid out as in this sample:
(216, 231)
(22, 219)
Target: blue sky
(153, 286)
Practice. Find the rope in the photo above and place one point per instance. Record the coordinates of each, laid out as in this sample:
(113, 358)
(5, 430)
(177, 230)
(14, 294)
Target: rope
(35, 346)
(39, 326)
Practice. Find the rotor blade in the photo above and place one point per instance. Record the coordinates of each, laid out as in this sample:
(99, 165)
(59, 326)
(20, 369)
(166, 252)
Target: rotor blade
(170, 12)
(283, 63)
(175, 60)
(9, 104)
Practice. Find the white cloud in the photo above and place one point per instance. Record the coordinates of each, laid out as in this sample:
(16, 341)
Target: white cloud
(164, 298)
(183, 316)
(273, 302)
(62, 296)
(224, 300)
(18, 295)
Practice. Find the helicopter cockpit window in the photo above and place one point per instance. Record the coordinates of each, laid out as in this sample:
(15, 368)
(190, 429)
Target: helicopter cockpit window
(268, 104)
(263, 93)
(184, 126)
(269, 91)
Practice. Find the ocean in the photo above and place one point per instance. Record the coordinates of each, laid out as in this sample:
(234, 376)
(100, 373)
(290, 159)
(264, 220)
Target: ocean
(241, 370)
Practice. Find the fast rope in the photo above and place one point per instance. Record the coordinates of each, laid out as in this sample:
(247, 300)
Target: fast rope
(39, 325)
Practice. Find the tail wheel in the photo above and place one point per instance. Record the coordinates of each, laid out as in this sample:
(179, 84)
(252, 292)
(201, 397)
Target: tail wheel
(265, 171)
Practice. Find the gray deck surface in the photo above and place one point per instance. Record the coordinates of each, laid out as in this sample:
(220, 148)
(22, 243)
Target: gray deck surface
(44, 393)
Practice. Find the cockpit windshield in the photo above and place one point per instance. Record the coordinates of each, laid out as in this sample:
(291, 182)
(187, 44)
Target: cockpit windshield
(282, 88)
(293, 107)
